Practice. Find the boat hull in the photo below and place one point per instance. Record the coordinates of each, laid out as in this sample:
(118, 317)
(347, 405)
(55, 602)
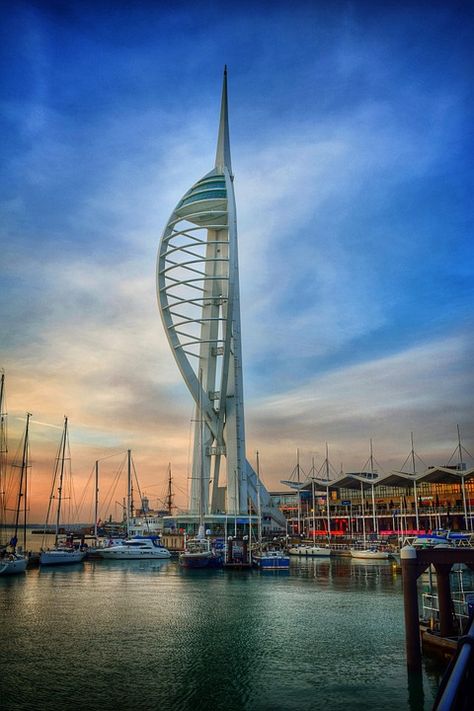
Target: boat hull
(370, 555)
(194, 561)
(310, 552)
(61, 557)
(138, 548)
(13, 565)
(271, 562)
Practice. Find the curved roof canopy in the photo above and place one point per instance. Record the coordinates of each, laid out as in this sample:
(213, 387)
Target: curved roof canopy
(432, 475)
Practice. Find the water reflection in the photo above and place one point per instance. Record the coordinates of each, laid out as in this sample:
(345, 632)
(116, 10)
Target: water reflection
(329, 634)
(338, 573)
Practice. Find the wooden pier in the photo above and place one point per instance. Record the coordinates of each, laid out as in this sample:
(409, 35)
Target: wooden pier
(414, 562)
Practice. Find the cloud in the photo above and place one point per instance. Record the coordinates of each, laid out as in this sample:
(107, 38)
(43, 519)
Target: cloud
(424, 389)
(349, 148)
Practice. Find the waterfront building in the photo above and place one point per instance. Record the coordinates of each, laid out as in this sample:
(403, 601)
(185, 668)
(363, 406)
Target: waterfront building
(395, 504)
(198, 297)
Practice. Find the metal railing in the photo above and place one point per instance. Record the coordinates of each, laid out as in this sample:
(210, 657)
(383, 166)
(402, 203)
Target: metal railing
(456, 692)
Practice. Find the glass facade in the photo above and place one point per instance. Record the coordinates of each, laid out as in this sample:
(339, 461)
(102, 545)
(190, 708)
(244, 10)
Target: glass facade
(204, 195)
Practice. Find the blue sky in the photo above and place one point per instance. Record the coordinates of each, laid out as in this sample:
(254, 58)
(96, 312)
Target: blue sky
(351, 137)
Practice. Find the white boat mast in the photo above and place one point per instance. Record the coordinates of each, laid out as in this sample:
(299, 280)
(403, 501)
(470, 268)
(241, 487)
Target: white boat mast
(259, 506)
(299, 492)
(96, 500)
(61, 477)
(372, 473)
(3, 451)
(129, 491)
(328, 506)
(415, 493)
(22, 487)
(362, 508)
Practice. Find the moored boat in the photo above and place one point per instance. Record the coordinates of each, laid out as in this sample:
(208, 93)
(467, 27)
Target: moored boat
(309, 551)
(199, 553)
(135, 549)
(13, 563)
(60, 554)
(271, 560)
(370, 554)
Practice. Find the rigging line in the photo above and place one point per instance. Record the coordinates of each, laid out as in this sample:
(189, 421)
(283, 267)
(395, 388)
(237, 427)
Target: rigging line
(114, 454)
(176, 486)
(84, 491)
(375, 462)
(456, 451)
(53, 486)
(467, 452)
(110, 494)
(73, 505)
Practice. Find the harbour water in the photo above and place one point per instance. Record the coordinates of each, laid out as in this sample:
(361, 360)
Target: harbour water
(149, 635)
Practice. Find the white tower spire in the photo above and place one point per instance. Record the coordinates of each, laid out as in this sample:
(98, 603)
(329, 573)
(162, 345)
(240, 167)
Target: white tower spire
(223, 141)
(198, 296)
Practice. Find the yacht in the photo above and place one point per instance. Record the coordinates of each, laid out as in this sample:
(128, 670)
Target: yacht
(135, 549)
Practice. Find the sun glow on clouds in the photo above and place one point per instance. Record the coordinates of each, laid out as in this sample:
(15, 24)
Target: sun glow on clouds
(349, 147)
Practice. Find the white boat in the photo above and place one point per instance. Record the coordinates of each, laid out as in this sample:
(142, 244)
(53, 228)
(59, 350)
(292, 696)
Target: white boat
(12, 564)
(370, 554)
(60, 554)
(135, 549)
(309, 551)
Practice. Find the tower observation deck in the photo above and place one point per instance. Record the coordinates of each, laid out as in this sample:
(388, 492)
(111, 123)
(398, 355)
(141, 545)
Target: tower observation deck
(198, 298)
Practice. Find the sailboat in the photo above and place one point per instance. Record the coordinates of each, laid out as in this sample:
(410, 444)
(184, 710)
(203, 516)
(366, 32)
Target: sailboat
(267, 557)
(13, 560)
(138, 547)
(304, 550)
(60, 554)
(369, 552)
